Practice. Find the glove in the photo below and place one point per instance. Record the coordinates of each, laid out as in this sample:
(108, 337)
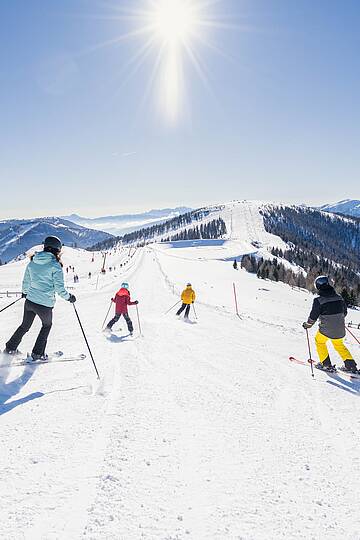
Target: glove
(192, 302)
(72, 299)
(136, 302)
(306, 325)
(23, 295)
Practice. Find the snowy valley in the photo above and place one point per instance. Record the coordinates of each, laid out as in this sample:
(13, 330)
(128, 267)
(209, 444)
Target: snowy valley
(199, 430)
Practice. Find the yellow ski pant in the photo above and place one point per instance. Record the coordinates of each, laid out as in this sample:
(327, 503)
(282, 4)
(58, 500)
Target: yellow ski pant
(338, 344)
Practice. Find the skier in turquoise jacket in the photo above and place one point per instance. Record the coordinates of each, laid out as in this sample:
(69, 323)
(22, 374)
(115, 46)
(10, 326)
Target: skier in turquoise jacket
(42, 280)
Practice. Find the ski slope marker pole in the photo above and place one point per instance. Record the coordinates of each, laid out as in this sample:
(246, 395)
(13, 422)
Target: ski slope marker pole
(86, 341)
(108, 311)
(351, 334)
(138, 316)
(193, 305)
(311, 361)
(12, 303)
(236, 302)
(172, 307)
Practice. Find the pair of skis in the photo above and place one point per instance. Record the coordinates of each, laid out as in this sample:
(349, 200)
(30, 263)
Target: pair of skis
(334, 370)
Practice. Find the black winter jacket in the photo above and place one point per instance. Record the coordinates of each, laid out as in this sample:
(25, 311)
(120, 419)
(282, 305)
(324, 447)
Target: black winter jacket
(330, 308)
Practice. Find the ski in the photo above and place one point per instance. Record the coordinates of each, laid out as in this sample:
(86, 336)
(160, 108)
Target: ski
(52, 359)
(351, 375)
(335, 370)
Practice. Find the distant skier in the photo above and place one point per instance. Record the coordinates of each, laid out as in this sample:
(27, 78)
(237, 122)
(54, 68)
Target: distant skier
(89, 275)
(331, 310)
(43, 278)
(235, 265)
(187, 297)
(122, 300)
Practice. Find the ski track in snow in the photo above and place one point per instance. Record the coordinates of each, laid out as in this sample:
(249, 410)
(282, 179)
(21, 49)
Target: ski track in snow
(195, 431)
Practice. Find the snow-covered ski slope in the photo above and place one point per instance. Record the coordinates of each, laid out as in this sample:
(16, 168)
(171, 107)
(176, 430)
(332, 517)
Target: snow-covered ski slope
(201, 430)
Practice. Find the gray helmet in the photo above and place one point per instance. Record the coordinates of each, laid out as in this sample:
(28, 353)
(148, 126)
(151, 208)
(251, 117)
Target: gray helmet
(322, 282)
(53, 242)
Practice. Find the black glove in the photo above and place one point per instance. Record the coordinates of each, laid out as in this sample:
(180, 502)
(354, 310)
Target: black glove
(136, 302)
(306, 325)
(23, 295)
(72, 299)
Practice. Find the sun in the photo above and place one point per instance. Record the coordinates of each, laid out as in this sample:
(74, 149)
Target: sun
(176, 26)
(174, 21)
(174, 35)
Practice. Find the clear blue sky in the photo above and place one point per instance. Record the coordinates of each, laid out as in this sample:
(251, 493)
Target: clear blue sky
(279, 118)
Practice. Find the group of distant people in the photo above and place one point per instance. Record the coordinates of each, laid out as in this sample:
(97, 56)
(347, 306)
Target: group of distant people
(44, 278)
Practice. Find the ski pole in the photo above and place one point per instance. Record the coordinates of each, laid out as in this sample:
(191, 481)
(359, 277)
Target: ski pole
(194, 311)
(310, 355)
(12, 303)
(172, 307)
(86, 341)
(138, 316)
(108, 311)
(351, 334)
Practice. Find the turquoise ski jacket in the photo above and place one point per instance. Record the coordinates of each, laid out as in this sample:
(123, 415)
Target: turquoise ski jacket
(43, 278)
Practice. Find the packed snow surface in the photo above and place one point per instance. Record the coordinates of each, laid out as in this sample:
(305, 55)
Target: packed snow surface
(201, 430)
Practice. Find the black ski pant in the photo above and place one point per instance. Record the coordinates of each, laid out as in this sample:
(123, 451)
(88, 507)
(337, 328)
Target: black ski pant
(187, 310)
(30, 311)
(127, 319)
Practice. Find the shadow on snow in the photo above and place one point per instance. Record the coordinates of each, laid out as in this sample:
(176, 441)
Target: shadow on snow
(9, 390)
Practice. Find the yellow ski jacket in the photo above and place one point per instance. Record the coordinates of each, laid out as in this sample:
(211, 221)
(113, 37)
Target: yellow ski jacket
(188, 295)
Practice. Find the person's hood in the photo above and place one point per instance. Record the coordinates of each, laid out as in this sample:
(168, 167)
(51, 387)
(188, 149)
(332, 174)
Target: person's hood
(327, 291)
(123, 292)
(43, 257)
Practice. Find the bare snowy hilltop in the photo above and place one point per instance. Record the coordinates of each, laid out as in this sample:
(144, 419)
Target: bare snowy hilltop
(201, 430)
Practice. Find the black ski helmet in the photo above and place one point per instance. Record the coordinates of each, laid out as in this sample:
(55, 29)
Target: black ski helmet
(53, 242)
(322, 282)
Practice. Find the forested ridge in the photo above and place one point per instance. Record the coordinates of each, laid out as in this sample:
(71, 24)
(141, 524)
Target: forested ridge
(147, 234)
(317, 243)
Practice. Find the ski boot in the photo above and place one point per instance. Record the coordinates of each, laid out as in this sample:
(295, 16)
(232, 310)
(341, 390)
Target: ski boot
(350, 367)
(11, 352)
(326, 366)
(39, 357)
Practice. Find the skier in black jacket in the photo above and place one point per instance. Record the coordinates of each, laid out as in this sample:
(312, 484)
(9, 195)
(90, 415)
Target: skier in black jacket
(330, 308)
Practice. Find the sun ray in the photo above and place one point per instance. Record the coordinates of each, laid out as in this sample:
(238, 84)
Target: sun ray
(178, 30)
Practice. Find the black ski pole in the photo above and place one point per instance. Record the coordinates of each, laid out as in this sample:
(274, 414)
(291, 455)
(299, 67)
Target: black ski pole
(311, 361)
(172, 307)
(12, 303)
(86, 341)
(351, 334)
(107, 314)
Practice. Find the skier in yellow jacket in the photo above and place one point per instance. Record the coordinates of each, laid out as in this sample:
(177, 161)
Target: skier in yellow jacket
(187, 297)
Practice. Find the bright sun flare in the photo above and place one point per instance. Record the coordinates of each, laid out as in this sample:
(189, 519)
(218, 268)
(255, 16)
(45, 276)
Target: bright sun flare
(176, 24)
(174, 20)
(175, 34)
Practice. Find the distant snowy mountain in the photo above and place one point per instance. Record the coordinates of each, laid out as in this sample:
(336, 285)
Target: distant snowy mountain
(20, 235)
(350, 207)
(126, 223)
